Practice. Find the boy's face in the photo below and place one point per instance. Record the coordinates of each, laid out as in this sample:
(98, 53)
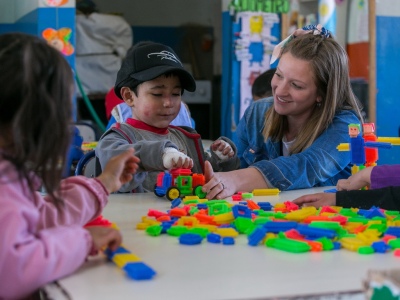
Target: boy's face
(158, 101)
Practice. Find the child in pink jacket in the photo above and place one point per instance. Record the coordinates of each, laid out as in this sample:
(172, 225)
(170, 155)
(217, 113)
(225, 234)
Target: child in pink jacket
(42, 237)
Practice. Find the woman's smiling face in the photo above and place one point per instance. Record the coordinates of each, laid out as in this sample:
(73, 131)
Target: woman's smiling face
(294, 89)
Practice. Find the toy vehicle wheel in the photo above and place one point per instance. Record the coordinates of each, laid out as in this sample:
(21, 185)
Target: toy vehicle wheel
(158, 194)
(198, 192)
(173, 193)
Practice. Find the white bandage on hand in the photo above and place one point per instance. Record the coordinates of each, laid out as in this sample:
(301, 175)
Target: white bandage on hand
(171, 156)
(221, 156)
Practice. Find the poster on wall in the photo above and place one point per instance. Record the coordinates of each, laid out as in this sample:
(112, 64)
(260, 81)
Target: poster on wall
(253, 49)
(56, 3)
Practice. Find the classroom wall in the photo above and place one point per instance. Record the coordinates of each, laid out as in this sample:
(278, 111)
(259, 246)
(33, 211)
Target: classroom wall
(172, 13)
(387, 74)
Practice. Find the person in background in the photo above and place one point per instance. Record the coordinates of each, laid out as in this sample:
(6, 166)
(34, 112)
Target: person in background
(118, 112)
(289, 141)
(383, 183)
(261, 87)
(42, 237)
(151, 81)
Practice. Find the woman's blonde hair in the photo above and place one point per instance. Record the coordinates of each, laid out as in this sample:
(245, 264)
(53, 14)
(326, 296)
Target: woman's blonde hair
(329, 62)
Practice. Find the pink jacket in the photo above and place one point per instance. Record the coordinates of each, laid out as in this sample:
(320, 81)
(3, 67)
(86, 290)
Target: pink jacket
(37, 243)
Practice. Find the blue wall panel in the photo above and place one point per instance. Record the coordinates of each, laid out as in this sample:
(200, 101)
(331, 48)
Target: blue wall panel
(388, 83)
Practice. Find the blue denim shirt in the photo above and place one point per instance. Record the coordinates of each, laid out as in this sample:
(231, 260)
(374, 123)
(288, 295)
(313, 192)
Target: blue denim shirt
(321, 164)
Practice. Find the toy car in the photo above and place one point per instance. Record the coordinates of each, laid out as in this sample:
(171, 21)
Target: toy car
(179, 182)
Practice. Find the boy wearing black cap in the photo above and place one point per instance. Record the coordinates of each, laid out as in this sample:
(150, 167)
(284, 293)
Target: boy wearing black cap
(151, 81)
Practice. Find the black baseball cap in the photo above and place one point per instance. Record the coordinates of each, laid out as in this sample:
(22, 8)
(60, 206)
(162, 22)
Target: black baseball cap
(148, 60)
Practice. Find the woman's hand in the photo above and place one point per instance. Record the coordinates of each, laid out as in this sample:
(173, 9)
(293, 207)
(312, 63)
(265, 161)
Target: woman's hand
(317, 200)
(218, 185)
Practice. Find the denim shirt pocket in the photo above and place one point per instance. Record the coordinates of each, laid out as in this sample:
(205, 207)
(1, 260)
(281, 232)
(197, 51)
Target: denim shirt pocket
(252, 155)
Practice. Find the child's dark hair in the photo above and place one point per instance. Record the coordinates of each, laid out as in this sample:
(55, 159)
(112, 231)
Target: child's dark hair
(261, 87)
(36, 86)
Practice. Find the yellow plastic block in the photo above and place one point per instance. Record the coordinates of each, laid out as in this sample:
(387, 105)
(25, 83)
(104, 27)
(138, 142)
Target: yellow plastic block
(393, 140)
(142, 226)
(301, 214)
(224, 232)
(150, 221)
(352, 243)
(122, 259)
(343, 147)
(225, 218)
(266, 192)
(369, 236)
(187, 221)
(190, 198)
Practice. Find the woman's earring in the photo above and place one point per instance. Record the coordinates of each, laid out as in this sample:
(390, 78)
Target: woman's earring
(318, 104)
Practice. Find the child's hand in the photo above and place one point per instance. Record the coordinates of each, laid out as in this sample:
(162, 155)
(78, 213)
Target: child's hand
(356, 181)
(172, 159)
(222, 149)
(119, 170)
(104, 237)
(317, 200)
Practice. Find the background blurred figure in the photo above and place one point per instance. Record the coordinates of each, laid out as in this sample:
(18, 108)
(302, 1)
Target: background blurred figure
(261, 87)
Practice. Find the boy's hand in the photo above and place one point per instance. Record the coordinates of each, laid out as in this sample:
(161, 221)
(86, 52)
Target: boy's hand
(357, 181)
(104, 237)
(119, 170)
(172, 159)
(222, 149)
(317, 200)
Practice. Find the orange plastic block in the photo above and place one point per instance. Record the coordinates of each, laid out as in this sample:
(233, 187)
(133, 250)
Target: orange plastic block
(203, 218)
(310, 219)
(252, 205)
(178, 212)
(165, 218)
(198, 179)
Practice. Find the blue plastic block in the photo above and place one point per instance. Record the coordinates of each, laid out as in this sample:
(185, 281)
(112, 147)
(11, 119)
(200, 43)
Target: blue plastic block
(228, 240)
(277, 227)
(312, 232)
(165, 226)
(213, 238)
(380, 247)
(202, 206)
(374, 212)
(139, 271)
(241, 211)
(393, 231)
(336, 245)
(176, 202)
(256, 236)
(190, 239)
(330, 191)
(265, 206)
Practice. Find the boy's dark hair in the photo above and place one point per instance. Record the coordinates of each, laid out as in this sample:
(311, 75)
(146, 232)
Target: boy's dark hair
(35, 109)
(148, 60)
(261, 87)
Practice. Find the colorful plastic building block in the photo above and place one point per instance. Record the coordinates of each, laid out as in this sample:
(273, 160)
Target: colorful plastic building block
(130, 263)
(179, 182)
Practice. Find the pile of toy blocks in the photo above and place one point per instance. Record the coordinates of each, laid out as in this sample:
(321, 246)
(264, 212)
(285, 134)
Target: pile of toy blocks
(283, 226)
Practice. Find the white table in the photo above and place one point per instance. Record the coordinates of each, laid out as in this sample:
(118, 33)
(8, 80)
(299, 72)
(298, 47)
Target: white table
(215, 271)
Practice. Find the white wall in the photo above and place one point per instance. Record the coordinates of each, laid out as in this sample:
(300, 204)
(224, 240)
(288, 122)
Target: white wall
(171, 13)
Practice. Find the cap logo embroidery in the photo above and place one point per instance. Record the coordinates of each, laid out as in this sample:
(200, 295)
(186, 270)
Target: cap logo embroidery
(165, 55)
